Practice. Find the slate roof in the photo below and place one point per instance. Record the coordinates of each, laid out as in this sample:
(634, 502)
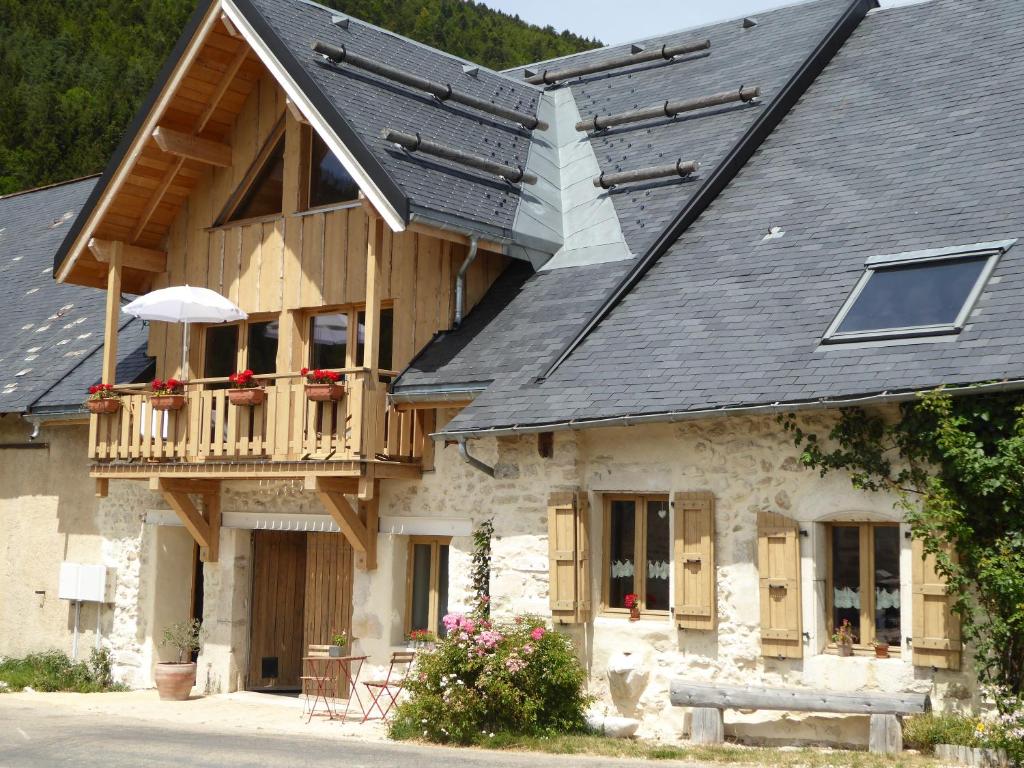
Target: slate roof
(906, 141)
(550, 309)
(52, 336)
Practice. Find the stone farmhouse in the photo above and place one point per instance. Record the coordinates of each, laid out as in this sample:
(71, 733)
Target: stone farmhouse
(570, 298)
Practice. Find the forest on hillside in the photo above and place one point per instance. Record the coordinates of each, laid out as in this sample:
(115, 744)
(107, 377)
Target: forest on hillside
(73, 72)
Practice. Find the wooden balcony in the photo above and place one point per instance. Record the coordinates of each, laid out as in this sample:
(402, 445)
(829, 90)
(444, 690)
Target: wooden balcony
(286, 436)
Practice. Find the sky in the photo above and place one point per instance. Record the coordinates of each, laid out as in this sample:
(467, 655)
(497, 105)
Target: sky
(612, 21)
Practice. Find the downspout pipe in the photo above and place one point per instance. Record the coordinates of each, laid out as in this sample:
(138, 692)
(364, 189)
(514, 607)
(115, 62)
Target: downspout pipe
(36, 426)
(473, 461)
(460, 287)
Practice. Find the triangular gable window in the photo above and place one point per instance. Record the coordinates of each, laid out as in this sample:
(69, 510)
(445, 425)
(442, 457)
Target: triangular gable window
(262, 191)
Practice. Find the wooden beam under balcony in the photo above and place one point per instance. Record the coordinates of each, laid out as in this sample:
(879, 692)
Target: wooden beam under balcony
(132, 256)
(357, 523)
(204, 528)
(349, 470)
(192, 147)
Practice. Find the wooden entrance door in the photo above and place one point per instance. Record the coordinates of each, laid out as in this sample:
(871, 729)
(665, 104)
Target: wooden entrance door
(278, 589)
(302, 595)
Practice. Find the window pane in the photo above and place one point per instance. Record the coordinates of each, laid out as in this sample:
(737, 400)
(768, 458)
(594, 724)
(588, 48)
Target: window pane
(387, 325)
(329, 182)
(442, 588)
(846, 578)
(329, 345)
(621, 550)
(221, 358)
(266, 191)
(261, 354)
(420, 614)
(917, 295)
(658, 556)
(887, 585)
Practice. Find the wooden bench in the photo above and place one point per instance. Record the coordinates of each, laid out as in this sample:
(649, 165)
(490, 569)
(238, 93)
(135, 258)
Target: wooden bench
(885, 734)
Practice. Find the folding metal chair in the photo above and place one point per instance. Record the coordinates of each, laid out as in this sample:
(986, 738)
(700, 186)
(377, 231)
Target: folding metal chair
(391, 686)
(316, 681)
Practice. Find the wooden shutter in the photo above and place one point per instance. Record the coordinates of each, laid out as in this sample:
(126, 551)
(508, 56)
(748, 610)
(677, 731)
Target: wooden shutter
(936, 640)
(694, 557)
(568, 555)
(778, 564)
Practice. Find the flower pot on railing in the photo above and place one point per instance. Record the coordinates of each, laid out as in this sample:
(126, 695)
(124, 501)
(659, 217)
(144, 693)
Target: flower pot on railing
(323, 386)
(167, 395)
(167, 402)
(106, 405)
(246, 390)
(248, 396)
(103, 399)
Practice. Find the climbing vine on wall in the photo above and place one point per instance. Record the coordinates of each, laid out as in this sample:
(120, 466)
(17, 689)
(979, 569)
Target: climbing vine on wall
(482, 565)
(957, 466)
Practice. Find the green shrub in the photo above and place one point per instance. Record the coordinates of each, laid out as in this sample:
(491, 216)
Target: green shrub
(923, 732)
(485, 679)
(54, 671)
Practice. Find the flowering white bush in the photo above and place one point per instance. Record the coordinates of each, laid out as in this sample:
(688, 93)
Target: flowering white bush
(515, 677)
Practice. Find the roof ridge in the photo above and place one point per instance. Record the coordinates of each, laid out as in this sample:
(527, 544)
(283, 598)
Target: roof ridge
(45, 187)
(649, 38)
(726, 170)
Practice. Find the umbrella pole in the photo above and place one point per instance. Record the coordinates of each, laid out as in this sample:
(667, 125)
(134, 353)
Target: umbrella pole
(184, 353)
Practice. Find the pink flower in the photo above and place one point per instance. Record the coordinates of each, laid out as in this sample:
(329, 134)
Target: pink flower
(514, 664)
(527, 649)
(452, 620)
(538, 633)
(488, 639)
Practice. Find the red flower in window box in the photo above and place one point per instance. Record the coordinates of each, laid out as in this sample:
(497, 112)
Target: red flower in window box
(246, 389)
(167, 395)
(632, 601)
(323, 386)
(103, 399)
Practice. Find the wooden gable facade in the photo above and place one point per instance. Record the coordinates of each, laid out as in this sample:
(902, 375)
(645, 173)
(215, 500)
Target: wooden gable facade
(163, 221)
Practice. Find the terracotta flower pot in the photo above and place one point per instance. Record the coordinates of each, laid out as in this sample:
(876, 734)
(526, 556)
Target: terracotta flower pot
(167, 402)
(634, 613)
(247, 396)
(881, 651)
(174, 681)
(322, 393)
(106, 405)
(845, 649)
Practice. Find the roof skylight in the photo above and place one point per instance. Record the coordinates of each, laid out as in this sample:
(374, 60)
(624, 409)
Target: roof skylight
(923, 293)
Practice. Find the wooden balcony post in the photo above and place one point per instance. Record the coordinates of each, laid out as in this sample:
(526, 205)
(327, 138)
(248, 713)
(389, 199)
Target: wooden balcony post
(113, 312)
(373, 425)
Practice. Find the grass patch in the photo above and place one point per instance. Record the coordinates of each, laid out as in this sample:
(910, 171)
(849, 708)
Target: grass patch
(54, 671)
(603, 746)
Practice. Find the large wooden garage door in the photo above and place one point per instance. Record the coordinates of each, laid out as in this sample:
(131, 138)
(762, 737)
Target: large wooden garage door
(279, 581)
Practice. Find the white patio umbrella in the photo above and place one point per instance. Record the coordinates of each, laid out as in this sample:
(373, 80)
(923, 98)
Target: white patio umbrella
(184, 304)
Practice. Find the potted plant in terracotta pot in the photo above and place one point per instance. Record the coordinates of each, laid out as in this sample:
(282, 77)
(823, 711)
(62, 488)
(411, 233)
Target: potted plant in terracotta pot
(632, 601)
(843, 638)
(174, 679)
(322, 386)
(246, 390)
(103, 399)
(881, 650)
(337, 647)
(167, 395)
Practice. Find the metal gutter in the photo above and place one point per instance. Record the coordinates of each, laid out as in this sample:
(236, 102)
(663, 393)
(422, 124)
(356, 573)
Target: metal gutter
(724, 173)
(438, 394)
(881, 398)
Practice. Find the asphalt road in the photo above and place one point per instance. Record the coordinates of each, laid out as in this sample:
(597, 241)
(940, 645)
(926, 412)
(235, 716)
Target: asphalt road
(39, 736)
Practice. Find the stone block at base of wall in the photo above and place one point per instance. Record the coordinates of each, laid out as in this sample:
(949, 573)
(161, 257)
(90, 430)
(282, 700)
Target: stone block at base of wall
(973, 756)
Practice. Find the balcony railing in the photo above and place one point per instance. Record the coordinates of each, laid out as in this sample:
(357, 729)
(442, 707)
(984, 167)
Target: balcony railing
(287, 426)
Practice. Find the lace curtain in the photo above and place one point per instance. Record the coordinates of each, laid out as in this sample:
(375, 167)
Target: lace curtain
(847, 597)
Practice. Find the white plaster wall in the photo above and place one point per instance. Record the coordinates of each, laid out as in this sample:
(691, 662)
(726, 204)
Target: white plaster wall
(47, 515)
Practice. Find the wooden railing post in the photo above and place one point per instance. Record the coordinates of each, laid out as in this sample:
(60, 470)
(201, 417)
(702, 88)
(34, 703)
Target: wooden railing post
(113, 311)
(373, 421)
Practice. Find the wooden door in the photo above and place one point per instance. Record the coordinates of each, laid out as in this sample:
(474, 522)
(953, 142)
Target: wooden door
(276, 630)
(328, 608)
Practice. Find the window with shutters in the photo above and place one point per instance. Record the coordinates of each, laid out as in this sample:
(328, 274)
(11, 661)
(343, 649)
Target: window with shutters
(427, 584)
(638, 552)
(863, 582)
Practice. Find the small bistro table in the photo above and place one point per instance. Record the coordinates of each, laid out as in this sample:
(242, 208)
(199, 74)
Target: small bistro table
(326, 671)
